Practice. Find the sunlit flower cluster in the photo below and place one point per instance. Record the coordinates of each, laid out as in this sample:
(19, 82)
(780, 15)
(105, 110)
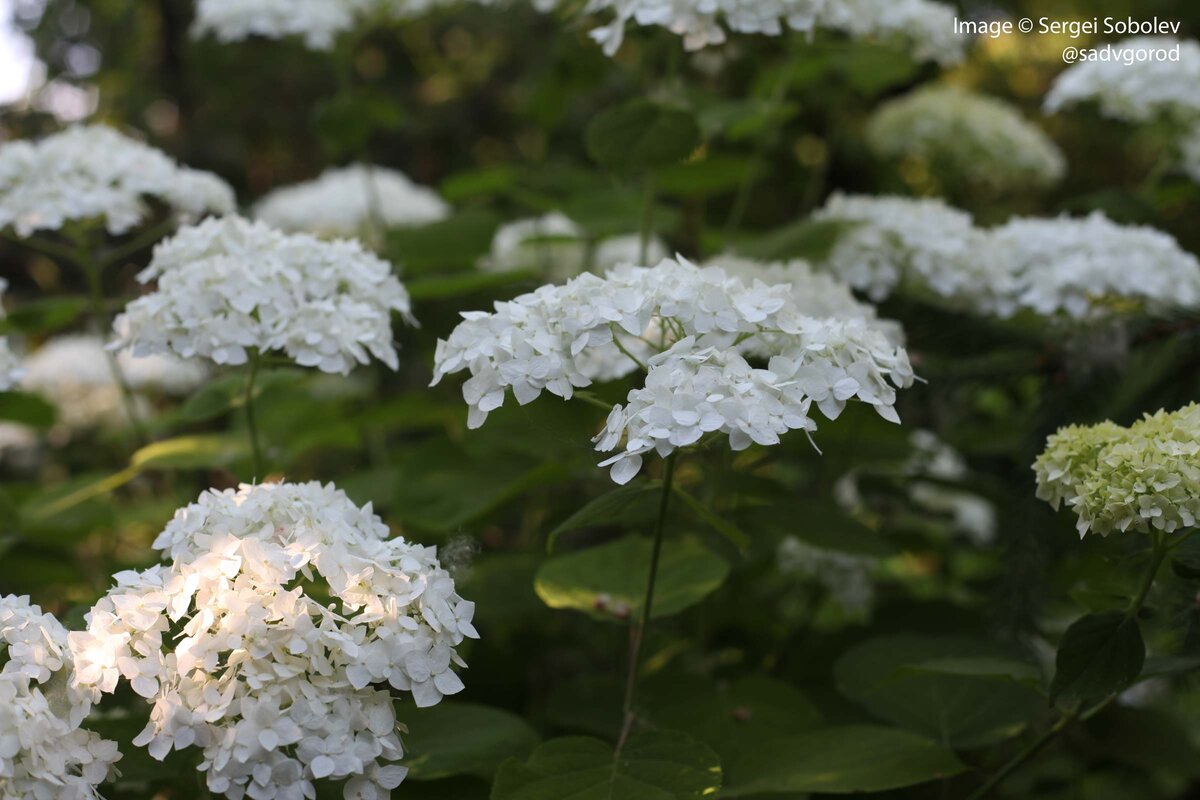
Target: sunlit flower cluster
(10, 365)
(73, 373)
(318, 22)
(555, 246)
(350, 201)
(44, 753)
(845, 578)
(1141, 90)
(274, 638)
(926, 26)
(694, 323)
(972, 138)
(1079, 265)
(1145, 477)
(922, 244)
(94, 173)
(228, 286)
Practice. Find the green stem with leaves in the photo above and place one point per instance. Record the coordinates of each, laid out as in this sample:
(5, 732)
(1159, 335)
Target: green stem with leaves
(101, 324)
(251, 419)
(1159, 551)
(639, 632)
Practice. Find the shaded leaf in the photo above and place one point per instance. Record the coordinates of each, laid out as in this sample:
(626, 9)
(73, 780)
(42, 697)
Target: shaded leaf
(640, 135)
(464, 739)
(1098, 655)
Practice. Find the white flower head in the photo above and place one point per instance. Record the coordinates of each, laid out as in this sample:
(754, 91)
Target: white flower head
(317, 22)
(847, 578)
(72, 372)
(979, 140)
(94, 173)
(1075, 265)
(44, 753)
(296, 619)
(1133, 89)
(350, 200)
(700, 322)
(1145, 477)
(925, 26)
(554, 245)
(228, 285)
(923, 244)
(10, 366)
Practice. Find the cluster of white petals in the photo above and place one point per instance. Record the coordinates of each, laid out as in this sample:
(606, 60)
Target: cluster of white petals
(10, 365)
(1135, 89)
(44, 753)
(95, 173)
(926, 26)
(699, 321)
(971, 138)
(351, 201)
(1145, 477)
(816, 294)
(229, 285)
(318, 22)
(1079, 265)
(274, 637)
(845, 578)
(73, 373)
(555, 246)
(923, 245)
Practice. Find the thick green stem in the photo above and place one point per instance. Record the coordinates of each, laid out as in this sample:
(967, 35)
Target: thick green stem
(639, 632)
(251, 419)
(1156, 558)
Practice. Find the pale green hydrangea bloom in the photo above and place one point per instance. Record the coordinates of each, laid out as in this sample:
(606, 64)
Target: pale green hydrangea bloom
(1145, 477)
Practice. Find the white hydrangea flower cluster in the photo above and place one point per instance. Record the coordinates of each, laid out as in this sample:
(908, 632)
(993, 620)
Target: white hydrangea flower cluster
(1141, 90)
(973, 515)
(698, 321)
(923, 244)
(273, 638)
(968, 137)
(558, 248)
(1077, 265)
(318, 22)
(229, 285)
(925, 25)
(10, 366)
(95, 173)
(72, 372)
(349, 201)
(1145, 477)
(44, 753)
(846, 578)
(816, 294)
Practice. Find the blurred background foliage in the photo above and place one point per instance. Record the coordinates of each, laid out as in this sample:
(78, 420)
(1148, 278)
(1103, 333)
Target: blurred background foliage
(491, 106)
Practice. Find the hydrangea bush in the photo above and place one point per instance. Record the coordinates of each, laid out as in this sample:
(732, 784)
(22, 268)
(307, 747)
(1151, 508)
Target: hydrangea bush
(742, 324)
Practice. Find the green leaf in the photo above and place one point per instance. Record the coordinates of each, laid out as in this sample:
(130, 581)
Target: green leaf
(738, 537)
(45, 315)
(623, 507)
(1185, 561)
(190, 452)
(450, 244)
(706, 177)
(214, 398)
(27, 409)
(807, 239)
(464, 739)
(609, 581)
(465, 283)
(652, 766)
(641, 135)
(961, 692)
(346, 122)
(1100, 654)
(841, 759)
(485, 182)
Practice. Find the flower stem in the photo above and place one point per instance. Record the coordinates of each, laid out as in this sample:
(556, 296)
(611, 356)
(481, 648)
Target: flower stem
(639, 632)
(101, 324)
(251, 419)
(1033, 748)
